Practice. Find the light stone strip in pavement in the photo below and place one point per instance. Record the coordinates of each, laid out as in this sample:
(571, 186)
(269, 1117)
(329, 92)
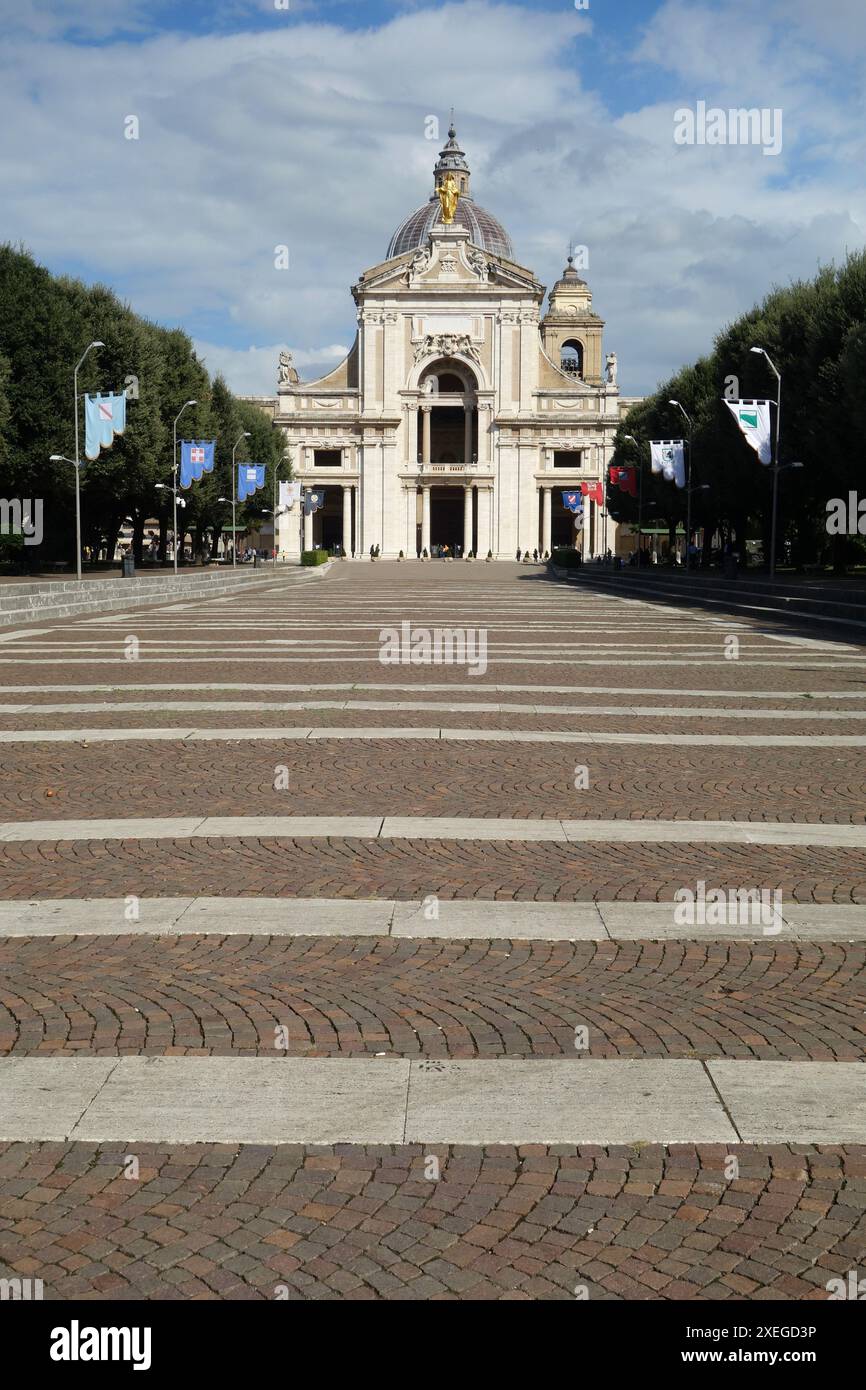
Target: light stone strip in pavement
(743, 832)
(415, 686)
(283, 1100)
(413, 733)
(505, 619)
(499, 625)
(782, 663)
(496, 653)
(438, 706)
(454, 919)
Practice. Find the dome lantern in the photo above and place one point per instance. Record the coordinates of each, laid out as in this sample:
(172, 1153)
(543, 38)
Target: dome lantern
(452, 160)
(485, 231)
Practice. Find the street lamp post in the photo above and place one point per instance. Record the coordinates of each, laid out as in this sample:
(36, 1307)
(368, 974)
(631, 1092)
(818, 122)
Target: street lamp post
(266, 511)
(178, 502)
(174, 474)
(277, 512)
(61, 458)
(688, 485)
(225, 499)
(632, 440)
(606, 477)
(776, 470)
(244, 435)
(95, 344)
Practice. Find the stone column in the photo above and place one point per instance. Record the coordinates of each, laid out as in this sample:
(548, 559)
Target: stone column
(484, 440)
(425, 518)
(347, 520)
(485, 539)
(546, 515)
(467, 520)
(467, 435)
(308, 530)
(425, 447)
(412, 437)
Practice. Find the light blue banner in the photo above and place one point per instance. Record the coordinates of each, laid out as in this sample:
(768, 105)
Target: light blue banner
(251, 476)
(104, 417)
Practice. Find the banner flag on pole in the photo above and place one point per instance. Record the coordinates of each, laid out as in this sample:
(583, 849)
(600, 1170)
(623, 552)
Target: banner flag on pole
(573, 501)
(251, 476)
(594, 491)
(624, 478)
(313, 501)
(196, 458)
(104, 417)
(755, 421)
(290, 494)
(668, 457)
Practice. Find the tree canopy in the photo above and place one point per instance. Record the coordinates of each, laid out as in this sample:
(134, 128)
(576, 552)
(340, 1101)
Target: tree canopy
(815, 333)
(46, 322)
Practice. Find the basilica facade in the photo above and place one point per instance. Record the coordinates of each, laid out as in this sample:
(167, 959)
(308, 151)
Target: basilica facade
(462, 413)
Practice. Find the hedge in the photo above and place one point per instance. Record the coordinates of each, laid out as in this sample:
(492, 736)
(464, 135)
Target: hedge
(314, 557)
(565, 557)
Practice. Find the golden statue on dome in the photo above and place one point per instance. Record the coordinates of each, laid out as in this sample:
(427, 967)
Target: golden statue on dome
(449, 195)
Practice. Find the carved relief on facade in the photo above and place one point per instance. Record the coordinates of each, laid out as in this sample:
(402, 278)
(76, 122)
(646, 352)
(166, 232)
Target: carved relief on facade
(418, 264)
(480, 264)
(445, 345)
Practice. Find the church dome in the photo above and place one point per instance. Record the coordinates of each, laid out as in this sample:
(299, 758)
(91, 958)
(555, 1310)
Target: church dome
(484, 229)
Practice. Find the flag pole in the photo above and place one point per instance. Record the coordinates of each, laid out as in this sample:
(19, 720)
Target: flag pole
(95, 344)
(775, 503)
(174, 474)
(631, 439)
(244, 435)
(689, 489)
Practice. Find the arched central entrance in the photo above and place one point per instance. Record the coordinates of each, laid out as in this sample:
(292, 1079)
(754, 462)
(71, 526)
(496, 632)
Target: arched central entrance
(446, 518)
(448, 424)
(562, 530)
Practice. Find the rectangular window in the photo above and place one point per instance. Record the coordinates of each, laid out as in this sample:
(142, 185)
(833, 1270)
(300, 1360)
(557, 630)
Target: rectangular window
(566, 458)
(327, 458)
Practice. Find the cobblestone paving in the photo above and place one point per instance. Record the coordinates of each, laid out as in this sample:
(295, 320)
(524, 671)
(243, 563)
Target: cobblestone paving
(335, 997)
(437, 779)
(346, 868)
(350, 1221)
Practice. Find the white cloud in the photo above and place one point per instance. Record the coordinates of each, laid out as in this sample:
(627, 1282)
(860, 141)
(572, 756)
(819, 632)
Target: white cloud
(313, 136)
(252, 371)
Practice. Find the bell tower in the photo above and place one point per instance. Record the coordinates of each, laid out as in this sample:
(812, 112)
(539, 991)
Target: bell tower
(570, 331)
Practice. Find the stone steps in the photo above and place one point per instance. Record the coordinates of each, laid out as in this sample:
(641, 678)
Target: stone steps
(24, 603)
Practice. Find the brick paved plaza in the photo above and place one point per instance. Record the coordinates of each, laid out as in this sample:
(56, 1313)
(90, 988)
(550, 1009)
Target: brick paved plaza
(374, 970)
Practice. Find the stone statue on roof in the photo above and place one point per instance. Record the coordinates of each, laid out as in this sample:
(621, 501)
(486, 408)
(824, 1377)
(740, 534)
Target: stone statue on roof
(288, 375)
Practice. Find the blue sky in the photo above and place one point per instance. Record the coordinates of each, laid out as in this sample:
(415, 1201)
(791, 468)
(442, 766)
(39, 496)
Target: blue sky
(262, 126)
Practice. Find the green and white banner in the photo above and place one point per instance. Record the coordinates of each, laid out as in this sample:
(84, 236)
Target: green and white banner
(668, 456)
(753, 418)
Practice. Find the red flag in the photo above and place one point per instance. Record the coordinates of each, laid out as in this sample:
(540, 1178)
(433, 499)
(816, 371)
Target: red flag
(593, 491)
(624, 477)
